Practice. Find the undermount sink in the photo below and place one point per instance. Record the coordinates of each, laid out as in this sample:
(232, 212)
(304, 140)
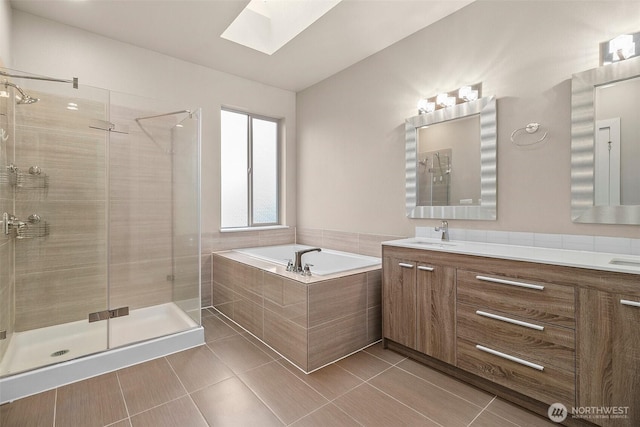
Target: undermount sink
(426, 243)
(625, 262)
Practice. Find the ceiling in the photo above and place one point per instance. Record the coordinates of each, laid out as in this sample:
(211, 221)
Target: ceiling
(190, 30)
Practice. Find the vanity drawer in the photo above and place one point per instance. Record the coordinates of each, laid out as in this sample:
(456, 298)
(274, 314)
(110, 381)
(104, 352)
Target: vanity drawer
(545, 383)
(542, 343)
(533, 300)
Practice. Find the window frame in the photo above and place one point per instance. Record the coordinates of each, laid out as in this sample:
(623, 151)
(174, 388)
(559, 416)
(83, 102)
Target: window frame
(251, 224)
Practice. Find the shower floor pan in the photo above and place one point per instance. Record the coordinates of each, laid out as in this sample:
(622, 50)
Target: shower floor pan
(132, 339)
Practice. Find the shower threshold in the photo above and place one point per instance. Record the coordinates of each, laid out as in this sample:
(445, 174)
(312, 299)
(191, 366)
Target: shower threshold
(145, 334)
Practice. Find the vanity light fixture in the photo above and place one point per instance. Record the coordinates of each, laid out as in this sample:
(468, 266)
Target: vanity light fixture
(449, 99)
(467, 93)
(620, 48)
(425, 106)
(443, 100)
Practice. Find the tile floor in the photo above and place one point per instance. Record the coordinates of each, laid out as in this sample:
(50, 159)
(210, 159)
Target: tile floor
(236, 381)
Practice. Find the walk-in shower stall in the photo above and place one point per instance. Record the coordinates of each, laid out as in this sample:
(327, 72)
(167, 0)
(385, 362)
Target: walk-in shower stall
(100, 235)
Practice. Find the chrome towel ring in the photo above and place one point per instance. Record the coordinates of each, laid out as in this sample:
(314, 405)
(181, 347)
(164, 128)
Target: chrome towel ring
(530, 128)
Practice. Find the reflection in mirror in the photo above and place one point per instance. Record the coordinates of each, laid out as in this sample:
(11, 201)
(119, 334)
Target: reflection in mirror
(605, 153)
(451, 162)
(439, 183)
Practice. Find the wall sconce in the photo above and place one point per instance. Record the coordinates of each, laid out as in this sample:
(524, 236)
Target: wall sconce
(620, 48)
(449, 99)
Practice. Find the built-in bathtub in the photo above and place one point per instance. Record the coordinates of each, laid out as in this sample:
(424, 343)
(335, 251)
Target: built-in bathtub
(322, 263)
(310, 320)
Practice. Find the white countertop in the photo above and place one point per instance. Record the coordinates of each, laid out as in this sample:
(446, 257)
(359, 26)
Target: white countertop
(620, 263)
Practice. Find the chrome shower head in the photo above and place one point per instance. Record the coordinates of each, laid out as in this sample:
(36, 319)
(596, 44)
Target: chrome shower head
(24, 98)
(27, 99)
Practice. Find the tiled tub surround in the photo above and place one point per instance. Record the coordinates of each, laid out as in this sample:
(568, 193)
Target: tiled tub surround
(311, 321)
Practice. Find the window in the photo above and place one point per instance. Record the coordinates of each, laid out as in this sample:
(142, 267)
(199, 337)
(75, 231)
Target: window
(249, 170)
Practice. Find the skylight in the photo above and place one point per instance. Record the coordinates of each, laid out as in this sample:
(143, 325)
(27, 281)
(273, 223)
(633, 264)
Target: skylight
(267, 25)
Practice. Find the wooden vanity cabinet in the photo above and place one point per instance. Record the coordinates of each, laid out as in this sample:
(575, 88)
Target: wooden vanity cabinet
(609, 356)
(436, 322)
(518, 332)
(419, 306)
(532, 333)
(399, 301)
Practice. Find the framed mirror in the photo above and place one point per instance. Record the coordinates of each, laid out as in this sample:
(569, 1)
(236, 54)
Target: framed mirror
(605, 148)
(451, 168)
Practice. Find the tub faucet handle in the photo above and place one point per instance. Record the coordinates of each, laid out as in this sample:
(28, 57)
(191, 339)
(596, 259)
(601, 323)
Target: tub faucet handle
(290, 266)
(307, 270)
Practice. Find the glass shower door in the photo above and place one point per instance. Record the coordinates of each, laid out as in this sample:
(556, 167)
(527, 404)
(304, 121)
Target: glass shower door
(185, 184)
(152, 195)
(53, 246)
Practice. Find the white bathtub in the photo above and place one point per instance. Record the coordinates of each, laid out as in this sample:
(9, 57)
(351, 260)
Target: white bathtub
(323, 263)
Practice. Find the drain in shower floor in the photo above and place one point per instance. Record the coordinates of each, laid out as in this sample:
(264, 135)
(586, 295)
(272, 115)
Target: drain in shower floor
(59, 353)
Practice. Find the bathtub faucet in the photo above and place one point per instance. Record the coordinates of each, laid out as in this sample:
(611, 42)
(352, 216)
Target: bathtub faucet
(298, 264)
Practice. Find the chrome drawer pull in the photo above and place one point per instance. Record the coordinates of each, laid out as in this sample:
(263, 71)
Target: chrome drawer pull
(425, 268)
(509, 320)
(510, 282)
(405, 265)
(512, 358)
(631, 303)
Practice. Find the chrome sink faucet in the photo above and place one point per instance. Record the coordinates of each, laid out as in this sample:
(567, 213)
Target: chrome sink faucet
(444, 227)
(298, 263)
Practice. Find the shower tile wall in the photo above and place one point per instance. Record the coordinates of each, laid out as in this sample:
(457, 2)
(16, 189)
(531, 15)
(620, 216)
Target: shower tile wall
(140, 216)
(62, 277)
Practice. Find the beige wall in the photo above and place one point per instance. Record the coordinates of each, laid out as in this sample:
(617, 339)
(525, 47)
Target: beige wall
(5, 33)
(351, 126)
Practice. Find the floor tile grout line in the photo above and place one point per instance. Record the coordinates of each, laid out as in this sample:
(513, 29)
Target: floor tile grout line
(233, 374)
(124, 400)
(241, 334)
(481, 411)
(378, 357)
(260, 399)
(324, 406)
(185, 388)
(55, 406)
(159, 405)
(401, 402)
(398, 400)
(166, 359)
(507, 420)
(296, 377)
(444, 389)
(317, 391)
(198, 409)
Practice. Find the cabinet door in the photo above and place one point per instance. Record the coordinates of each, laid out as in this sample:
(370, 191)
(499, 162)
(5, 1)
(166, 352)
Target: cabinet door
(436, 321)
(399, 301)
(609, 356)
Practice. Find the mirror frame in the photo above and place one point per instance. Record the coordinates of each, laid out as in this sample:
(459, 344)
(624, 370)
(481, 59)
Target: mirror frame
(487, 209)
(583, 89)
